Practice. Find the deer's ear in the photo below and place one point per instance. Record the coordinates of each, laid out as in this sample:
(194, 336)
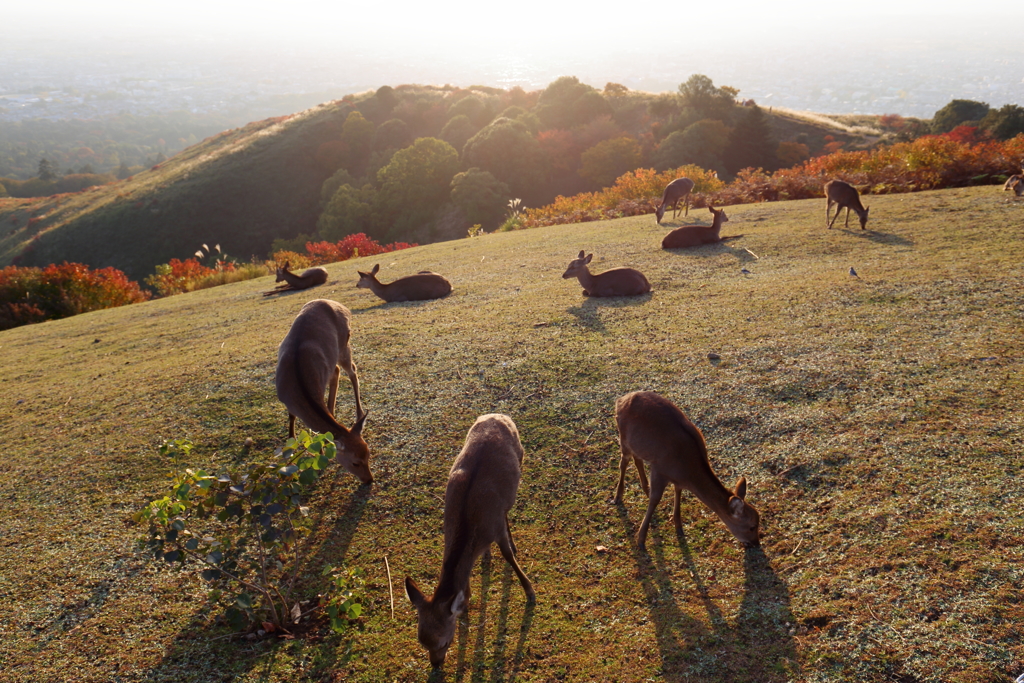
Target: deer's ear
(590, 257)
(736, 506)
(357, 428)
(414, 594)
(741, 488)
(287, 265)
(376, 269)
(580, 254)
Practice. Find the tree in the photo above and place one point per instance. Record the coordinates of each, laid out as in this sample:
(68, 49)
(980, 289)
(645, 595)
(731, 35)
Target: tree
(46, 170)
(1004, 123)
(508, 150)
(607, 160)
(357, 138)
(123, 171)
(700, 94)
(481, 196)
(566, 103)
(702, 143)
(392, 134)
(791, 153)
(751, 143)
(349, 211)
(415, 183)
(458, 130)
(956, 113)
(472, 107)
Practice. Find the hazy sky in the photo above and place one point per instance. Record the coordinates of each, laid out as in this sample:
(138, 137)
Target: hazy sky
(500, 26)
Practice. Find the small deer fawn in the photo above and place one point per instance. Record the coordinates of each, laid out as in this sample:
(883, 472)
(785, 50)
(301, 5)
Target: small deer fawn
(481, 490)
(679, 188)
(696, 235)
(653, 430)
(311, 277)
(312, 355)
(844, 195)
(419, 287)
(614, 282)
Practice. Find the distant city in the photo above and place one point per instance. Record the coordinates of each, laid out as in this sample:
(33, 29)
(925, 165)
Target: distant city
(910, 77)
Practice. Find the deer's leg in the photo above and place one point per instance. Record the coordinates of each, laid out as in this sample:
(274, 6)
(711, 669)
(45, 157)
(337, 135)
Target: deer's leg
(332, 396)
(847, 217)
(291, 426)
(676, 516)
(508, 531)
(687, 204)
(643, 475)
(658, 484)
(507, 551)
(349, 366)
(623, 466)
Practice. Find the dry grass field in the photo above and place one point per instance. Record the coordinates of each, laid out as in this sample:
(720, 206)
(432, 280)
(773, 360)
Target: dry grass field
(877, 419)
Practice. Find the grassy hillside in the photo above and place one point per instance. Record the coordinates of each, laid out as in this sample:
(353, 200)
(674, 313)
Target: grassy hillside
(877, 420)
(242, 189)
(245, 187)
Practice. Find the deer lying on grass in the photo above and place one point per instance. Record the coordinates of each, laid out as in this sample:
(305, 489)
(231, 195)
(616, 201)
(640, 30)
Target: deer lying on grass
(419, 287)
(696, 235)
(653, 430)
(679, 188)
(309, 359)
(614, 282)
(844, 195)
(481, 490)
(311, 277)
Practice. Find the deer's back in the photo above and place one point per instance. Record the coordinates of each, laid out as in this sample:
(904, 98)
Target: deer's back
(620, 282)
(843, 194)
(677, 188)
(418, 287)
(657, 432)
(308, 355)
(690, 236)
(483, 481)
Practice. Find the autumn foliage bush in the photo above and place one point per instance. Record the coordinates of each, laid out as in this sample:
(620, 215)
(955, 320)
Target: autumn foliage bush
(352, 246)
(931, 162)
(32, 295)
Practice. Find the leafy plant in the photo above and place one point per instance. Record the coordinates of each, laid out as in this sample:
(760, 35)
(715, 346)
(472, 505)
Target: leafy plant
(514, 217)
(345, 603)
(239, 528)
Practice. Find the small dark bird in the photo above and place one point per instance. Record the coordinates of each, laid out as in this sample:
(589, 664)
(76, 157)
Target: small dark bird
(853, 272)
(745, 271)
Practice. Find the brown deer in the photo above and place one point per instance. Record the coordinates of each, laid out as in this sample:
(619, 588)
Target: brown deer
(679, 188)
(481, 490)
(419, 287)
(1015, 183)
(310, 358)
(844, 195)
(614, 282)
(696, 235)
(653, 430)
(311, 277)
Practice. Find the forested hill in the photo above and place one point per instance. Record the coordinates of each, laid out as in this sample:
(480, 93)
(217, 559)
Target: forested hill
(412, 163)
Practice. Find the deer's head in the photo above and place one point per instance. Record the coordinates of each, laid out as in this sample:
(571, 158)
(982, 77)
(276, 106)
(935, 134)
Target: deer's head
(365, 279)
(578, 266)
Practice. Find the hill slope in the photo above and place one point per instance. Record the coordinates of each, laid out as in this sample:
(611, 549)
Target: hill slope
(876, 419)
(242, 189)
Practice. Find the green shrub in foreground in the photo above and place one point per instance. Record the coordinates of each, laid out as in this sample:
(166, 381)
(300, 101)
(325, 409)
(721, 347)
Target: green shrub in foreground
(241, 530)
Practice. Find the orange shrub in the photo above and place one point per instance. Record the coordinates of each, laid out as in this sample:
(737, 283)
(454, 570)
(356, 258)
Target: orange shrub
(30, 295)
(352, 246)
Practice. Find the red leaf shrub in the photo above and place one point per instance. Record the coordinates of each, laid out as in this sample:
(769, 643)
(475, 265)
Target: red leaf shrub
(352, 246)
(31, 295)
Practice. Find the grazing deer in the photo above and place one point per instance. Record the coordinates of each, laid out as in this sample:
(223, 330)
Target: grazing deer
(696, 235)
(311, 277)
(419, 287)
(1016, 182)
(653, 430)
(481, 490)
(310, 358)
(679, 188)
(844, 195)
(614, 282)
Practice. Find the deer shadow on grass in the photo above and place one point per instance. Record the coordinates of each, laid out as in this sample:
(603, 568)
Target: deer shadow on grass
(878, 237)
(226, 659)
(756, 648)
(587, 313)
(715, 249)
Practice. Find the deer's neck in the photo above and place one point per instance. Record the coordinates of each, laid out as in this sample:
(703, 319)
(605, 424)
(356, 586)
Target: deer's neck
(586, 278)
(456, 567)
(710, 490)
